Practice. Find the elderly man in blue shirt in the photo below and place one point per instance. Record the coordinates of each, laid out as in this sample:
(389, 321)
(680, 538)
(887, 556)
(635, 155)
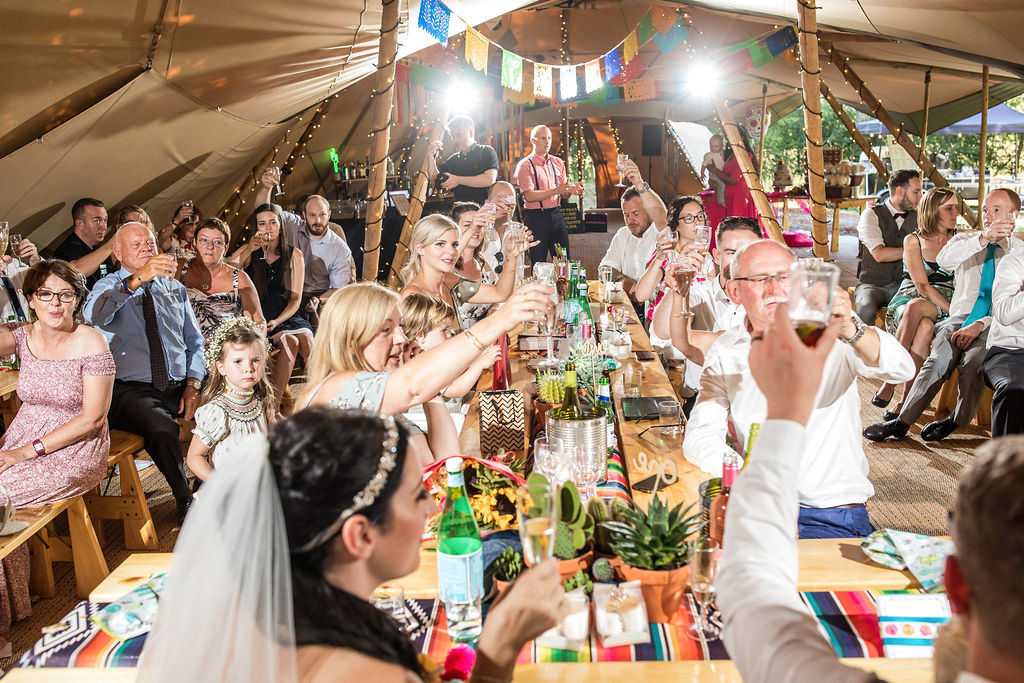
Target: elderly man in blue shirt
(145, 315)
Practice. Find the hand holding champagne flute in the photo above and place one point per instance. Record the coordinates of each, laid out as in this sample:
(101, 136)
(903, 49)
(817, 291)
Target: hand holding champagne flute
(537, 512)
(620, 166)
(812, 288)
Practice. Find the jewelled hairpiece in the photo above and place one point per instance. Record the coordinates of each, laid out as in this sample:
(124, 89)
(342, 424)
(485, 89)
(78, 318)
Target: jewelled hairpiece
(216, 341)
(366, 497)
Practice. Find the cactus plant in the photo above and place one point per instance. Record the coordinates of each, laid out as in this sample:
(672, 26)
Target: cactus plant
(602, 571)
(550, 386)
(655, 540)
(508, 565)
(578, 580)
(601, 511)
(574, 527)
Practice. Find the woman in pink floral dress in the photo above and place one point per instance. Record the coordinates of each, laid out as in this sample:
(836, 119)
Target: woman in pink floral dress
(56, 446)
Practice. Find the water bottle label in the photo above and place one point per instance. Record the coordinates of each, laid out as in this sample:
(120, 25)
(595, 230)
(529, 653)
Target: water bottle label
(456, 479)
(460, 578)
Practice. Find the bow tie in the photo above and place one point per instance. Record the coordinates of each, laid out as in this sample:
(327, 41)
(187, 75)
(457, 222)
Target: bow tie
(899, 215)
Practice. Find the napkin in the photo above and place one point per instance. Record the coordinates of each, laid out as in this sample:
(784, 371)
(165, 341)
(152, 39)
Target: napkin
(908, 623)
(925, 556)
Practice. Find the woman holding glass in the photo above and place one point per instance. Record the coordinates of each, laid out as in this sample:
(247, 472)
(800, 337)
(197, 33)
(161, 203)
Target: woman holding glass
(924, 294)
(339, 505)
(471, 264)
(176, 238)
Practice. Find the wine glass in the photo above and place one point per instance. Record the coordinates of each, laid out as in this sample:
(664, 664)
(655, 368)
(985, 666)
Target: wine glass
(620, 166)
(587, 468)
(702, 243)
(683, 270)
(812, 287)
(546, 452)
(618, 313)
(489, 212)
(15, 241)
(544, 273)
(277, 187)
(4, 234)
(703, 567)
(537, 512)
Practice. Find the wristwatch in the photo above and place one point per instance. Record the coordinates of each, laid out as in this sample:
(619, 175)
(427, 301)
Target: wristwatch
(861, 329)
(39, 448)
(194, 383)
(645, 188)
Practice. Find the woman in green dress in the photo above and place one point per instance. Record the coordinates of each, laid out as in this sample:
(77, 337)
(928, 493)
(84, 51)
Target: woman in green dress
(923, 297)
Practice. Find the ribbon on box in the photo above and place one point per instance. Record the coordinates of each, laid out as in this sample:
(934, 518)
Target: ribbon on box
(592, 76)
(542, 81)
(511, 70)
(476, 49)
(668, 41)
(434, 18)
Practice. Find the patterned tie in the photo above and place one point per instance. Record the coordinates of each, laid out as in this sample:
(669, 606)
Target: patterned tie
(157, 363)
(983, 304)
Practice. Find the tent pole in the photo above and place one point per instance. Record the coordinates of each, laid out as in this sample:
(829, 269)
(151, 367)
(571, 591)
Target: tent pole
(764, 123)
(383, 97)
(882, 114)
(764, 207)
(984, 136)
(810, 80)
(924, 117)
(854, 132)
(416, 200)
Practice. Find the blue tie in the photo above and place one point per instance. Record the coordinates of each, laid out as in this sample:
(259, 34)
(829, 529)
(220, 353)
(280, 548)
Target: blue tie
(983, 304)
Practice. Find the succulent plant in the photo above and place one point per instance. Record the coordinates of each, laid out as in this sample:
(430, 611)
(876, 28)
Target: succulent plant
(574, 527)
(589, 364)
(602, 571)
(508, 565)
(578, 580)
(602, 511)
(654, 540)
(550, 386)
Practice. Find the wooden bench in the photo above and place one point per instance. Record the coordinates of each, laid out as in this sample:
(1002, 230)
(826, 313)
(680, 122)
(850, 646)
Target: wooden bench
(130, 507)
(82, 547)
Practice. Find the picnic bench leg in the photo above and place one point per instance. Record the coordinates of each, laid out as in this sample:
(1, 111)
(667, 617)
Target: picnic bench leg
(139, 530)
(40, 578)
(90, 565)
(835, 228)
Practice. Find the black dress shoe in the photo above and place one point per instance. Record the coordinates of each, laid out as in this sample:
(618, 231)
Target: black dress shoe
(939, 430)
(884, 430)
(183, 506)
(890, 415)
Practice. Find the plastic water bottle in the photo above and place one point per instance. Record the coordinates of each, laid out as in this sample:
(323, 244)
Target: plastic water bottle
(460, 560)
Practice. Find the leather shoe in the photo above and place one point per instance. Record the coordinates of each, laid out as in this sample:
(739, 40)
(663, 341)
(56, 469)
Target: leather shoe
(881, 402)
(883, 430)
(183, 507)
(939, 430)
(890, 415)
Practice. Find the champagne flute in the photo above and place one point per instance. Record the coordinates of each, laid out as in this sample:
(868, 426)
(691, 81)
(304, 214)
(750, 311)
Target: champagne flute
(15, 240)
(812, 287)
(620, 166)
(587, 470)
(4, 235)
(546, 450)
(703, 567)
(606, 274)
(277, 187)
(702, 243)
(537, 512)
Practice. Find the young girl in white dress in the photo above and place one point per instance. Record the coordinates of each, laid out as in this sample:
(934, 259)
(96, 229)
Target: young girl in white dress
(237, 398)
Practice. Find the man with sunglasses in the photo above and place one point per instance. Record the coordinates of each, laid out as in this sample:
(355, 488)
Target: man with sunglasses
(833, 481)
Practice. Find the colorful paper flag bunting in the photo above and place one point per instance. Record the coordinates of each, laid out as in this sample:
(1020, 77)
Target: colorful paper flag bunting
(645, 29)
(567, 88)
(634, 69)
(592, 76)
(663, 18)
(476, 49)
(434, 18)
(609, 94)
(781, 40)
(432, 79)
(640, 90)
(542, 81)
(791, 56)
(735, 63)
(401, 73)
(612, 67)
(511, 70)
(629, 47)
(675, 37)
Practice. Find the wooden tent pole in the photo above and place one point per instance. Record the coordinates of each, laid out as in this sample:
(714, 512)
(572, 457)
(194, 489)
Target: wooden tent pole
(810, 79)
(416, 200)
(764, 207)
(982, 156)
(383, 97)
(924, 113)
(764, 123)
(854, 132)
(882, 114)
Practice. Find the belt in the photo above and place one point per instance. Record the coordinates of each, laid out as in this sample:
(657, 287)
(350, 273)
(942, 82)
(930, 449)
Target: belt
(553, 208)
(831, 507)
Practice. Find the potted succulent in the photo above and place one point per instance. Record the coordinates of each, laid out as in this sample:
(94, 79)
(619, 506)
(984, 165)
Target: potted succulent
(655, 550)
(550, 391)
(507, 567)
(574, 529)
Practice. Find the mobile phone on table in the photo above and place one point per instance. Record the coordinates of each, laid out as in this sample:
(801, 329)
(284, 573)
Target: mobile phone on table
(644, 355)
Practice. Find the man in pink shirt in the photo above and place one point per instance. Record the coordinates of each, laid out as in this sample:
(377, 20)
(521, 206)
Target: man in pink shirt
(542, 181)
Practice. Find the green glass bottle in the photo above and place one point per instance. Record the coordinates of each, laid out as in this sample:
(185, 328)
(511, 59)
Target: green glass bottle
(570, 408)
(460, 568)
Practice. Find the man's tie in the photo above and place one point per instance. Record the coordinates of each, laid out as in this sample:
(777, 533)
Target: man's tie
(983, 304)
(157, 362)
(12, 294)
(899, 216)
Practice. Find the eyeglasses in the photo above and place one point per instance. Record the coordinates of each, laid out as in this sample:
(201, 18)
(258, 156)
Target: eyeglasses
(762, 280)
(64, 297)
(204, 241)
(688, 219)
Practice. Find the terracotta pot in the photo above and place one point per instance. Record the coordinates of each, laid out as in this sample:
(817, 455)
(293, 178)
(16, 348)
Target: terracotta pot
(663, 590)
(500, 586)
(568, 568)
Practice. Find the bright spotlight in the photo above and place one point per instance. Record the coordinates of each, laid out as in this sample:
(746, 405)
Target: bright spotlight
(460, 98)
(702, 79)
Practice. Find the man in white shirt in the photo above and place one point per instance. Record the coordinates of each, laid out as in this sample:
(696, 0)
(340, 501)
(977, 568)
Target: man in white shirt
(1003, 366)
(833, 480)
(633, 245)
(881, 230)
(960, 340)
(13, 304)
(768, 631)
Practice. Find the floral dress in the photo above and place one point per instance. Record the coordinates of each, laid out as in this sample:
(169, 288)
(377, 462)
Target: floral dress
(939, 278)
(213, 309)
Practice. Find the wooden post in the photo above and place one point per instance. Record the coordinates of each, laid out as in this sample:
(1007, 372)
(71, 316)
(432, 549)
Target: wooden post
(984, 139)
(924, 113)
(882, 114)
(764, 207)
(565, 137)
(764, 123)
(383, 96)
(416, 200)
(854, 132)
(810, 69)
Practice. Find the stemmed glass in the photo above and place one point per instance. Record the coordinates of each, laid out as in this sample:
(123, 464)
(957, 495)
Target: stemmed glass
(587, 469)
(620, 166)
(544, 273)
(618, 313)
(277, 174)
(537, 512)
(547, 453)
(702, 243)
(4, 234)
(683, 270)
(15, 240)
(672, 253)
(703, 567)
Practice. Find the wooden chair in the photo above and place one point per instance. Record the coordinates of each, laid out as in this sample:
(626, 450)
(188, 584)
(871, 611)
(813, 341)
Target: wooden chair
(882, 312)
(130, 507)
(81, 547)
(947, 402)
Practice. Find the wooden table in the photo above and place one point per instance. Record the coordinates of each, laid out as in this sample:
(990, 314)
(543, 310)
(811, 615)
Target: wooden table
(859, 203)
(9, 401)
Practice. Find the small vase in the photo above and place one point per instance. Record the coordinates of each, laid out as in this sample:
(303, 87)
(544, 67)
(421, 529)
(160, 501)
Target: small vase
(663, 590)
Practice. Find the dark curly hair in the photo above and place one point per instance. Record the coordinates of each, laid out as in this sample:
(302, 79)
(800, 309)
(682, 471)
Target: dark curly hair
(676, 208)
(322, 457)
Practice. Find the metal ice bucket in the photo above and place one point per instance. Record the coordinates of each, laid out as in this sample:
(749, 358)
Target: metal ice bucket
(590, 435)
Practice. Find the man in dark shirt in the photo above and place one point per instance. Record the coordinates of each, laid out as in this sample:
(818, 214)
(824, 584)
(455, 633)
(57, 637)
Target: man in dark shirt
(84, 247)
(471, 170)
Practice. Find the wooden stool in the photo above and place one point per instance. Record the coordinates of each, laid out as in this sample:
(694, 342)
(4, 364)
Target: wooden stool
(130, 507)
(882, 312)
(947, 402)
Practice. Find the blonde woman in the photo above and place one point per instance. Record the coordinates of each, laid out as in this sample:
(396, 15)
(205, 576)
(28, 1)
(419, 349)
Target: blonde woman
(435, 249)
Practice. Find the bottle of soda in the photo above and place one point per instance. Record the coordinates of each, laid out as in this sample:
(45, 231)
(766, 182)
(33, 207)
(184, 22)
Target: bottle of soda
(460, 563)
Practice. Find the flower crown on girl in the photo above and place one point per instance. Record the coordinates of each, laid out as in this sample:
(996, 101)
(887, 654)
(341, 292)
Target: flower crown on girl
(217, 339)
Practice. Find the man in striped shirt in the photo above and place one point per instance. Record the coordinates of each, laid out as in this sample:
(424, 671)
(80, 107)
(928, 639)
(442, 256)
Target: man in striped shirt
(542, 180)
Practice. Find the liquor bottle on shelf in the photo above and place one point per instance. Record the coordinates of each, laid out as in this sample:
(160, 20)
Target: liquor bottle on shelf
(460, 568)
(730, 468)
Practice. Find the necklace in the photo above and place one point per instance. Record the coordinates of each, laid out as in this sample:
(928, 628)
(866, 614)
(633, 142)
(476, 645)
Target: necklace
(206, 285)
(244, 393)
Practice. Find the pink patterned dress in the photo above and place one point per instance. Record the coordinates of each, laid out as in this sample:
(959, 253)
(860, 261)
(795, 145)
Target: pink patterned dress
(51, 394)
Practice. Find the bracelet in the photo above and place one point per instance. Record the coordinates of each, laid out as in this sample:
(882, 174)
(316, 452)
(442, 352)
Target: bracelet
(124, 284)
(861, 328)
(473, 339)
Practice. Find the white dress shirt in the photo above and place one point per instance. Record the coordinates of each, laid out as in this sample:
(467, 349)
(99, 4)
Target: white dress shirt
(630, 255)
(867, 228)
(1008, 302)
(964, 255)
(16, 271)
(770, 634)
(712, 308)
(834, 470)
